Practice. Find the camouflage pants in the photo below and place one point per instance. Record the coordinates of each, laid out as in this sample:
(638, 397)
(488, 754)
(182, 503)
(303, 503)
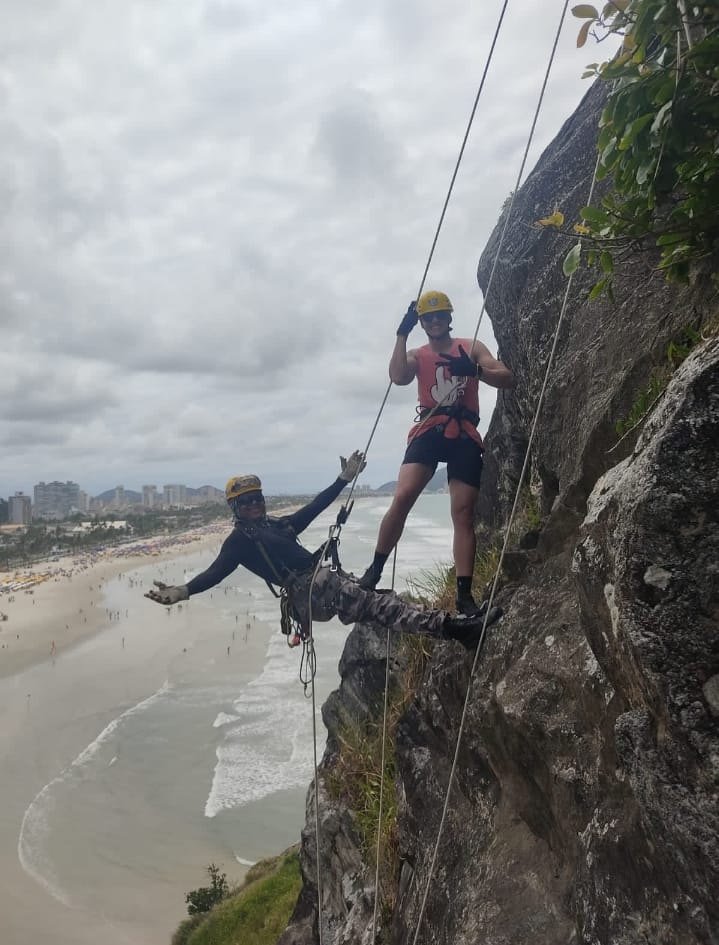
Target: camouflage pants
(334, 593)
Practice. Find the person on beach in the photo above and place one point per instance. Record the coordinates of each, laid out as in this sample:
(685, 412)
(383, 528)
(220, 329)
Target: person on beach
(269, 548)
(448, 371)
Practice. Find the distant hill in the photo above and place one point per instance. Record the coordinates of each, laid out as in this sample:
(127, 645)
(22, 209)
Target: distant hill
(130, 495)
(133, 496)
(438, 483)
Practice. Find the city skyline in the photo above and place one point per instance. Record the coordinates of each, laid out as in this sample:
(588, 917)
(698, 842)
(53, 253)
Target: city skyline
(56, 500)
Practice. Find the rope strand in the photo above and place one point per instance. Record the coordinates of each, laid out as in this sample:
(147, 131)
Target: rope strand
(475, 662)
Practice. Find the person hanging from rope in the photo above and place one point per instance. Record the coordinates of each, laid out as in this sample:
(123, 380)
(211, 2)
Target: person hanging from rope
(448, 371)
(269, 548)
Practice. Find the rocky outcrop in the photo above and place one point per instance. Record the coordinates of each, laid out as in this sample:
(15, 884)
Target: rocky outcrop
(584, 803)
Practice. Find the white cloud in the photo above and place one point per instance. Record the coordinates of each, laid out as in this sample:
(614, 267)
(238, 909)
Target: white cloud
(214, 213)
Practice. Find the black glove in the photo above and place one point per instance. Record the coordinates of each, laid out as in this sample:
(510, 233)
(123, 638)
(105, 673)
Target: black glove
(460, 365)
(409, 320)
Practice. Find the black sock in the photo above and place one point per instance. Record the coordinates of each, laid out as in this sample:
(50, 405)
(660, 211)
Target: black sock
(464, 585)
(379, 561)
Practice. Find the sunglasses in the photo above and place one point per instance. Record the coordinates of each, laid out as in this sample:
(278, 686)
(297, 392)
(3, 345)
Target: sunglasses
(250, 498)
(433, 317)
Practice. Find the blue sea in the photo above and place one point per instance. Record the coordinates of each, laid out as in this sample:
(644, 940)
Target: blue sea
(177, 738)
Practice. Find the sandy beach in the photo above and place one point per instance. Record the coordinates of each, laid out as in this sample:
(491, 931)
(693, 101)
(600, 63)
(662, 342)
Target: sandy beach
(50, 606)
(116, 657)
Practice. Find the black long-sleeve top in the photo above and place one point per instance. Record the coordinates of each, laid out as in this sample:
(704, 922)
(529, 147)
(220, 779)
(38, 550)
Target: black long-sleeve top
(278, 537)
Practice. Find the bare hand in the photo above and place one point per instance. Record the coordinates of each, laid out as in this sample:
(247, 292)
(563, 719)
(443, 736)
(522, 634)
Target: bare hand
(167, 595)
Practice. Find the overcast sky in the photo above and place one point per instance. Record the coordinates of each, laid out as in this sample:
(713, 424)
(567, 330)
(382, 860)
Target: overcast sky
(214, 213)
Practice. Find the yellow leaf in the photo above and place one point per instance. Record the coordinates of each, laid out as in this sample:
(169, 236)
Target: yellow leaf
(585, 11)
(583, 33)
(579, 228)
(556, 219)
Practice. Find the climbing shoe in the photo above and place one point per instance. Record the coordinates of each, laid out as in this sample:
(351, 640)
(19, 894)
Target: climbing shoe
(468, 630)
(370, 579)
(467, 605)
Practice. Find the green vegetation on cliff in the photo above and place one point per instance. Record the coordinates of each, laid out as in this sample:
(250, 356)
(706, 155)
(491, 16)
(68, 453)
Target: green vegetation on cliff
(254, 914)
(658, 138)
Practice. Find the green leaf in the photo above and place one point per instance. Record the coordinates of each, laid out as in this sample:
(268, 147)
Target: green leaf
(594, 215)
(644, 173)
(662, 117)
(585, 10)
(598, 288)
(634, 129)
(571, 260)
(668, 238)
(606, 261)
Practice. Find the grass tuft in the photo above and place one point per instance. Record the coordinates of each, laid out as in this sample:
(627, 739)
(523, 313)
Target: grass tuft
(356, 776)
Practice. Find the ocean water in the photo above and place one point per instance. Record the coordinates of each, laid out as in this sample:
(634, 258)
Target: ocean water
(213, 763)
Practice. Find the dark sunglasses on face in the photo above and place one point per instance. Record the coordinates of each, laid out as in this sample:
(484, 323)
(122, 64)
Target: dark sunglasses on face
(250, 498)
(433, 317)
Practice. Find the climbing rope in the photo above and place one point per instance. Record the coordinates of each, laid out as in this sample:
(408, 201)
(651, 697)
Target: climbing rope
(335, 529)
(442, 214)
(378, 848)
(490, 601)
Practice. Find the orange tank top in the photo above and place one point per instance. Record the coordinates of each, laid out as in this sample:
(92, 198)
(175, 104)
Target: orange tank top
(437, 388)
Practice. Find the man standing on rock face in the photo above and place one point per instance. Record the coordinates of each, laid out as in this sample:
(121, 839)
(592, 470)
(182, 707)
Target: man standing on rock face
(269, 548)
(448, 371)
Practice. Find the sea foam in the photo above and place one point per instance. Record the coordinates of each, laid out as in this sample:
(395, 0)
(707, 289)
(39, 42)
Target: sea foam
(265, 747)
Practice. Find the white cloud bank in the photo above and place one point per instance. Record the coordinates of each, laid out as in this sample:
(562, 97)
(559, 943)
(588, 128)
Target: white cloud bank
(213, 215)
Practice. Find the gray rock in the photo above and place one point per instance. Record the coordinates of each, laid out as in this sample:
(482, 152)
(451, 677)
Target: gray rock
(584, 801)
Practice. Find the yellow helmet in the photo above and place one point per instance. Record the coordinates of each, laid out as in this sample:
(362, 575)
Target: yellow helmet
(433, 302)
(239, 485)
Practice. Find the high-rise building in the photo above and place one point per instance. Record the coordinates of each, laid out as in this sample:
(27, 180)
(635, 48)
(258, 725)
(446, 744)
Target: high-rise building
(119, 500)
(211, 494)
(149, 497)
(20, 509)
(174, 495)
(56, 500)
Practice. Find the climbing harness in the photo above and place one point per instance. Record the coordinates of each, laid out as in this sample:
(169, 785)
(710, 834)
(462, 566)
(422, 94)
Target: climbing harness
(454, 412)
(294, 628)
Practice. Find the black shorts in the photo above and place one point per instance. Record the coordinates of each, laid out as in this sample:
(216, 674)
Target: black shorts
(463, 456)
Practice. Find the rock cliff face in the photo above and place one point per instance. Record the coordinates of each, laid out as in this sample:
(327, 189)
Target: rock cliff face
(585, 805)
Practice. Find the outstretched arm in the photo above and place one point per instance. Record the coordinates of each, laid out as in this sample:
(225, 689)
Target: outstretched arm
(224, 564)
